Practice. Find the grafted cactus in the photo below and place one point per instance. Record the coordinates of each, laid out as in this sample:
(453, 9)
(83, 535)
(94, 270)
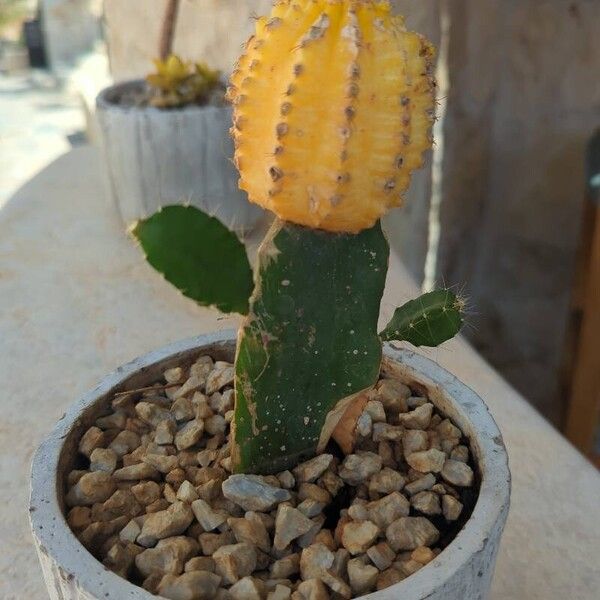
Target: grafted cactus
(333, 103)
(333, 106)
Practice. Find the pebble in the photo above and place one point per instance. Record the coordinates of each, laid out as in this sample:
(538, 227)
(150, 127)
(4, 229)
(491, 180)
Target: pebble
(427, 503)
(388, 578)
(414, 440)
(187, 492)
(357, 468)
(364, 424)
(93, 487)
(311, 589)
(174, 375)
(315, 560)
(103, 459)
(189, 434)
(125, 442)
(419, 418)
(423, 555)
(386, 481)
(385, 511)
(357, 537)
(93, 438)
(381, 555)
(200, 563)
(311, 470)
(165, 523)
(146, 492)
(235, 561)
(285, 567)
(393, 394)
(252, 493)
(136, 472)
(151, 413)
(251, 530)
(451, 507)
(196, 585)
(163, 464)
(408, 533)
(79, 517)
(420, 485)
(460, 453)
(376, 410)
(363, 577)
(165, 432)
(247, 588)
(290, 524)
(219, 377)
(207, 517)
(384, 432)
(183, 410)
(457, 473)
(313, 492)
(281, 592)
(427, 461)
(211, 542)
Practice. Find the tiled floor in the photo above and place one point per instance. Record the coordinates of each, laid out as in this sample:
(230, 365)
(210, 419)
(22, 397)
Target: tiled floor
(39, 120)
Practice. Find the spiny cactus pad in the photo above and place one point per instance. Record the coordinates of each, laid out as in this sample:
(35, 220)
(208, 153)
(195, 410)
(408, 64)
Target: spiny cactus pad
(333, 106)
(309, 341)
(198, 255)
(429, 320)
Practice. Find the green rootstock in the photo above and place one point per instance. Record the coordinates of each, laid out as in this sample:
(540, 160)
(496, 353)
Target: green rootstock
(427, 320)
(198, 255)
(309, 340)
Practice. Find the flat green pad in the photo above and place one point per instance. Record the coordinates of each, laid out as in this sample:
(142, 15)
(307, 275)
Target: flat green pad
(198, 255)
(428, 320)
(309, 341)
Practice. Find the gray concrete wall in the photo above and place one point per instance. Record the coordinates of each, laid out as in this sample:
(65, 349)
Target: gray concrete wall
(524, 100)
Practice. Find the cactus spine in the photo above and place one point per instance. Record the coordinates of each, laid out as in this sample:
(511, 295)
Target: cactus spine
(333, 104)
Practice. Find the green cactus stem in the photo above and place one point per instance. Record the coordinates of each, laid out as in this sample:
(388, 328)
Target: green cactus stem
(198, 255)
(309, 341)
(428, 320)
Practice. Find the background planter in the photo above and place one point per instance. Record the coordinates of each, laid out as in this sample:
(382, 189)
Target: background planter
(462, 571)
(155, 157)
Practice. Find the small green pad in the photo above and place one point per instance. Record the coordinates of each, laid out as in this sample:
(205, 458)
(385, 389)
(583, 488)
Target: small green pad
(198, 255)
(309, 341)
(428, 320)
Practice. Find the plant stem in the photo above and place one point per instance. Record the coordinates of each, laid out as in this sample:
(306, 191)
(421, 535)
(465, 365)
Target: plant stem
(168, 29)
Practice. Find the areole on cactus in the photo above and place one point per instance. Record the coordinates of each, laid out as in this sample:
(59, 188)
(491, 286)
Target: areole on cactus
(333, 104)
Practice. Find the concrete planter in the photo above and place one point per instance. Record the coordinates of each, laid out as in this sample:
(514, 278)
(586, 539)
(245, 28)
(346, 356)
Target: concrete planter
(462, 571)
(157, 157)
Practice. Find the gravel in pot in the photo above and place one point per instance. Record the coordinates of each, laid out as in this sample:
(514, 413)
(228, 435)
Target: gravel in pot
(152, 496)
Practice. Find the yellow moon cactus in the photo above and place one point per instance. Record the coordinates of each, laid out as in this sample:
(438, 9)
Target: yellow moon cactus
(333, 106)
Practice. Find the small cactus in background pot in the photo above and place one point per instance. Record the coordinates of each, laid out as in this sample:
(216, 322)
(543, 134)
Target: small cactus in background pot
(333, 104)
(177, 83)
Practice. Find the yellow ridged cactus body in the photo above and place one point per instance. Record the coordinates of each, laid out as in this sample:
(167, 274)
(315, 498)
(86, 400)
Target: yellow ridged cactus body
(333, 101)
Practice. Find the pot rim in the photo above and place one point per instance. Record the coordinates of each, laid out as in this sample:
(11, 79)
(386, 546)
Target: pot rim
(55, 538)
(105, 102)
